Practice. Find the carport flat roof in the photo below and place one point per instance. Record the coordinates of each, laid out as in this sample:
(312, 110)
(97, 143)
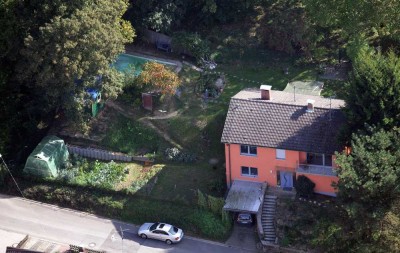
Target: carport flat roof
(245, 196)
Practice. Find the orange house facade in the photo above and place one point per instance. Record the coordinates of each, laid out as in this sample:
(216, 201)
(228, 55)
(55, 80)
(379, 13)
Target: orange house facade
(278, 167)
(274, 137)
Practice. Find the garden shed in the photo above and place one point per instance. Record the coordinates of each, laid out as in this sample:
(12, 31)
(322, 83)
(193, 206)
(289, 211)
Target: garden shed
(47, 158)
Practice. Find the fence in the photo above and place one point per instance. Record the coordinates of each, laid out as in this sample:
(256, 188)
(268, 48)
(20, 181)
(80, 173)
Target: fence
(105, 155)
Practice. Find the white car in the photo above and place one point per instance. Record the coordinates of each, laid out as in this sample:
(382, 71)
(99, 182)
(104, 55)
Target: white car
(161, 231)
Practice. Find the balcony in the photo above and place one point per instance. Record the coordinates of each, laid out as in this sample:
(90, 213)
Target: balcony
(316, 169)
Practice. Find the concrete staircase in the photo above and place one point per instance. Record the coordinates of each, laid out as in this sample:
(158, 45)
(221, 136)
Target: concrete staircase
(268, 218)
(40, 245)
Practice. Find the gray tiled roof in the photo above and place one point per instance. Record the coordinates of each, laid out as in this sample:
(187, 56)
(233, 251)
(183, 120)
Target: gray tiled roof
(284, 123)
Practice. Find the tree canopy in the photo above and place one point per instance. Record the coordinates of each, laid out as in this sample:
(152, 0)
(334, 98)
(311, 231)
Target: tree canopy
(373, 92)
(65, 47)
(377, 20)
(369, 179)
(157, 77)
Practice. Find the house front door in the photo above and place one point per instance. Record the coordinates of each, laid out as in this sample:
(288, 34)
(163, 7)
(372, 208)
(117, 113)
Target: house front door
(286, 180)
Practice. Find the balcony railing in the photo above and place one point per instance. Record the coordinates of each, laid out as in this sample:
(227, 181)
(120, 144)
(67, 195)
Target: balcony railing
(316, 169)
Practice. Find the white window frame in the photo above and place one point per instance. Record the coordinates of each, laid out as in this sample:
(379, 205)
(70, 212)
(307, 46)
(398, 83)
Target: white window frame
(280, 154)
(249, 169)
(248, 150)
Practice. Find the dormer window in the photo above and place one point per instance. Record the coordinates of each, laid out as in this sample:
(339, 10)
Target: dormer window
(248, 150)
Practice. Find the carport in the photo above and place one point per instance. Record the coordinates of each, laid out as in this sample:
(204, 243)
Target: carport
(245, 196)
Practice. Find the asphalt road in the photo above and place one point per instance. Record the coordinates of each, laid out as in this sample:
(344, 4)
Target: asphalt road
(66, 226)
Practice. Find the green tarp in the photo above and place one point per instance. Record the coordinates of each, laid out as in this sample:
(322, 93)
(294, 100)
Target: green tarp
(47, 158)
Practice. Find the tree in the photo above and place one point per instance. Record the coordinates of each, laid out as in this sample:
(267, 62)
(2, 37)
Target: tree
(191, 44)
(377, 20)
(157, 77)
(287, 27)
(373, 92)
(158, 15)
(369, 179)
(72, 51)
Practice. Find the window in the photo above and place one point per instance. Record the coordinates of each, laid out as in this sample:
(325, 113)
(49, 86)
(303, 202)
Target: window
(281, 154)
(248, 150)
(249, 171)
(319, 159)
(154, 226)
(328, 160)
(173, 230)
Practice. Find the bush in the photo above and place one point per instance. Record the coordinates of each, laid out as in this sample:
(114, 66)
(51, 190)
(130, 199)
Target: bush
(201, 200)
(174, 154)
(304, 186)
(209, 224)
(216, 204)
(330, 236)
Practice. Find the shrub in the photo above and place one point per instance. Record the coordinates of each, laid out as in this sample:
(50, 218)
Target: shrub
(304, 186)
(209, 224)
(201, 200)
(215, 204)
(330, 236)
(174, 154)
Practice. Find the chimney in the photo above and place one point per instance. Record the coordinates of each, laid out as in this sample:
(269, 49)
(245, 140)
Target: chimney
(265, 92)
(310, 105)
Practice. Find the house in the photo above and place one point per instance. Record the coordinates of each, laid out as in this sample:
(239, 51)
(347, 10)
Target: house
(274, 136)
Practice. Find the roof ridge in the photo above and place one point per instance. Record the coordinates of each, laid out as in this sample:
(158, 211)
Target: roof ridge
(280, 103)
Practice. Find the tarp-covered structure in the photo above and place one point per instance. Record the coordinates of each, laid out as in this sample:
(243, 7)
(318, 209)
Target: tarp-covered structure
(47, 158)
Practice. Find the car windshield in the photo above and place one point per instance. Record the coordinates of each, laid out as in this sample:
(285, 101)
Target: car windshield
(244, 216)
(173, 230)
(154, 226)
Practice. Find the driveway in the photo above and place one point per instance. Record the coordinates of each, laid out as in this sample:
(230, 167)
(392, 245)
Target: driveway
(19, 217)
(243, 236)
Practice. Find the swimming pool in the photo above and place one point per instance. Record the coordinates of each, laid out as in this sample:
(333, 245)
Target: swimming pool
(125, 61)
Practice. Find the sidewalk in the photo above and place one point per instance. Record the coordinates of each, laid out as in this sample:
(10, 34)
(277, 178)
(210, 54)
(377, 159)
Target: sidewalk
(9, 239)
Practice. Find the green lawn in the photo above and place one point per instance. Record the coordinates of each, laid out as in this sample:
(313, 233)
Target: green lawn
(132, 137)
(180, 182)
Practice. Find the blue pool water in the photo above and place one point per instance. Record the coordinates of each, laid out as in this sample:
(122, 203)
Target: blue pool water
(125, 62)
